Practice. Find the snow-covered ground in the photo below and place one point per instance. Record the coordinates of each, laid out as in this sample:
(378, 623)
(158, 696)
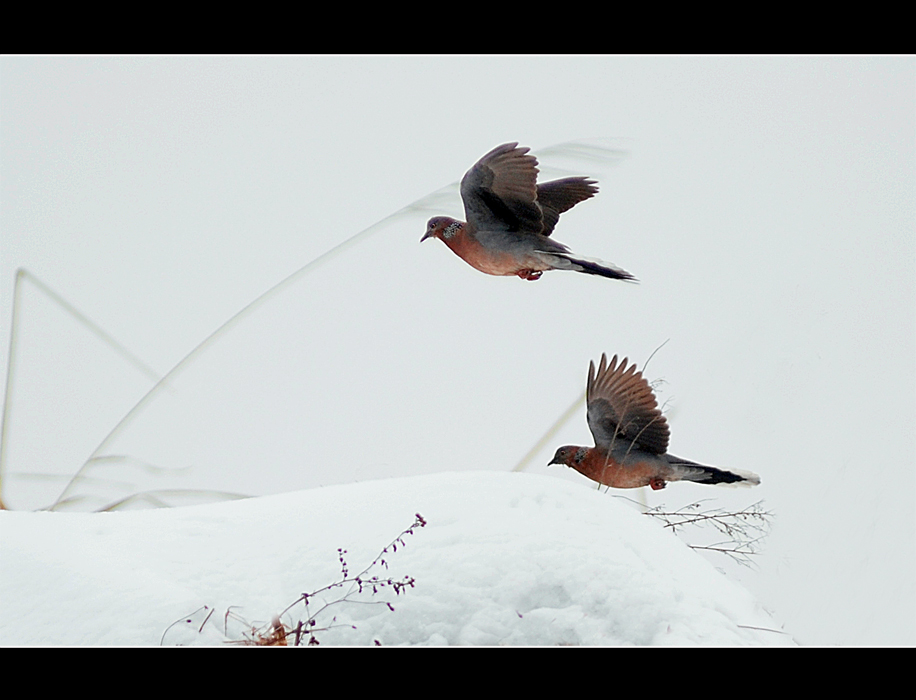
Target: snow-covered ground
(504, 559)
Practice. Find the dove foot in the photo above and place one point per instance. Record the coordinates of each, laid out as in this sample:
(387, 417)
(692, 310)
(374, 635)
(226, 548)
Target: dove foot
(656, 483)
(530, 274)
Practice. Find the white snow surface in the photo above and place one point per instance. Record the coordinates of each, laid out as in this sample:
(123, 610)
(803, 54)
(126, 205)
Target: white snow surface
(505, 559)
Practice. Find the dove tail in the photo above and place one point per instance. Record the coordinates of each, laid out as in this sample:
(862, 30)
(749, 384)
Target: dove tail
(592, 266)
(702, 474)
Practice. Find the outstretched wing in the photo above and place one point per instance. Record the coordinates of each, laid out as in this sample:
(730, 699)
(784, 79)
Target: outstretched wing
(622, 407)
(500, 191)
(557, 196)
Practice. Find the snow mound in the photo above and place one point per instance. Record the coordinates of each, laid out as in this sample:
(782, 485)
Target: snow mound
(505, 559)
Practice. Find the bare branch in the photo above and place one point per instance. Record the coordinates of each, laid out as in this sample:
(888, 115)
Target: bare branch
(277, 633)
(745, 528)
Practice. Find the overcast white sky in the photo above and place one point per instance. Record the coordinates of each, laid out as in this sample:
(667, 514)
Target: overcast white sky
(766, 204)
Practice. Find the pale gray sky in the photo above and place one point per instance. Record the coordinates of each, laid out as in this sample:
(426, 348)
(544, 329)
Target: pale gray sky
(766, 205)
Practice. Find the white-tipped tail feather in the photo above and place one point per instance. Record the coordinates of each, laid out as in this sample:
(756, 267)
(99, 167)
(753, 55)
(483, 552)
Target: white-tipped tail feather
(703, 474)
(748, 479)
(593, 266)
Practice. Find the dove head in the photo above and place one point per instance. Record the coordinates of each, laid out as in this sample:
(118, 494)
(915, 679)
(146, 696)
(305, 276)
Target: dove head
(441, 227)
(569, 455)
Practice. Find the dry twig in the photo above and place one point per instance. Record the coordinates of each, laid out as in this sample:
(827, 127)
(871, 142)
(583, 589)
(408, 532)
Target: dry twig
(745, 528)
(278, 633)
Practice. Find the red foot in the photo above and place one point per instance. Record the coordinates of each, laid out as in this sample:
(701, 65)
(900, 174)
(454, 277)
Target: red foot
(656, 483)
(530, 274)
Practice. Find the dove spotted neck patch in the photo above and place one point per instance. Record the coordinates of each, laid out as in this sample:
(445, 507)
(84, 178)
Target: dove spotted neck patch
(451, 229)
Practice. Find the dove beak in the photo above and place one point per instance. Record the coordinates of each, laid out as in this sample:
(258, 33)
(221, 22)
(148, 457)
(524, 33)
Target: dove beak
(428, 234)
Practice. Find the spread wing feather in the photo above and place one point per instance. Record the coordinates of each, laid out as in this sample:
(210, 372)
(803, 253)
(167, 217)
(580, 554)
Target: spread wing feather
(500, 191)
(557, 196)
(621, 406)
